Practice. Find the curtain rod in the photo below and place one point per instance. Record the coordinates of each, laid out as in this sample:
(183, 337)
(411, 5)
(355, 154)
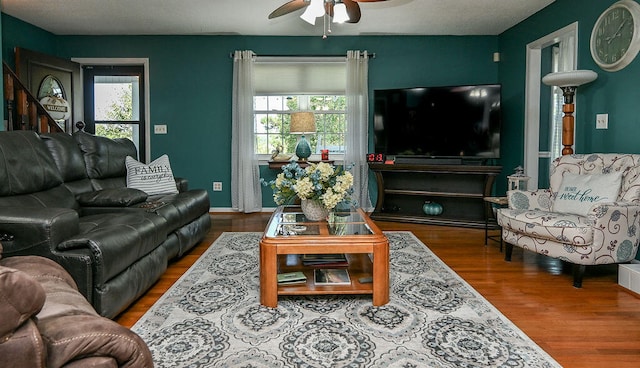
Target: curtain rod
(372, 55)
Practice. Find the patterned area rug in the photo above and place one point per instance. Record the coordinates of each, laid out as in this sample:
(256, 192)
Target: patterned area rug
(212, 317)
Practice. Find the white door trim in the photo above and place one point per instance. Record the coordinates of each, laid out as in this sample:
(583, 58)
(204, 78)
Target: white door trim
(532, 97)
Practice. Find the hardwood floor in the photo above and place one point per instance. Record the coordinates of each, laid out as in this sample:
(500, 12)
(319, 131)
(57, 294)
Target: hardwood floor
(596, 326)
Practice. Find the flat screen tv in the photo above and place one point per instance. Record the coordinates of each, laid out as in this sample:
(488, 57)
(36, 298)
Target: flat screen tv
(438, 122)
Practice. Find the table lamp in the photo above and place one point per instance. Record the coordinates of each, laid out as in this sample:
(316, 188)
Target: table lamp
(302, 123)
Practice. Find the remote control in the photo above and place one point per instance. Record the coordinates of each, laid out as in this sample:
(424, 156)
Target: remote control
(365, 280)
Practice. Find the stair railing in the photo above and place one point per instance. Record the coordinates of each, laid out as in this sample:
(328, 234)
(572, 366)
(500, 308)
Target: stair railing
(25, 112)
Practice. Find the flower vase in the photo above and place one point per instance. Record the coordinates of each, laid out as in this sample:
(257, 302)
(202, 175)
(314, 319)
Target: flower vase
(314, 210)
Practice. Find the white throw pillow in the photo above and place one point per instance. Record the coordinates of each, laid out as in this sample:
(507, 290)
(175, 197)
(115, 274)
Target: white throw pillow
(154, 178)
(579, 192)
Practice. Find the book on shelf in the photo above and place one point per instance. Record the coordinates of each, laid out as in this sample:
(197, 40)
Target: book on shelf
(290, 278)
(331, 276)
(325, 260)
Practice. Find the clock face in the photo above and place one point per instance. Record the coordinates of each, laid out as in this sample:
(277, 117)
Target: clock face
(614, 40)
(375, 157)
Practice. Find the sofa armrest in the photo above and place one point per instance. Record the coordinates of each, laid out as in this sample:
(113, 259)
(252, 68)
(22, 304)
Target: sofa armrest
(36, 231)
(616, 231)
(112, 197)
(21, 297)
(540, 199)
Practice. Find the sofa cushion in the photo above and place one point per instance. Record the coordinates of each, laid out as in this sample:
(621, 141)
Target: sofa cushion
(578, 193)
(104, 157)
(21, 297)
(560, 227)
(114, 197)
(25, 164)
(66, 154)
(153, 178)
(70, 162)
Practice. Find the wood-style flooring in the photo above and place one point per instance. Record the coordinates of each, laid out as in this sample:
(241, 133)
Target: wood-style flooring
(595, 326)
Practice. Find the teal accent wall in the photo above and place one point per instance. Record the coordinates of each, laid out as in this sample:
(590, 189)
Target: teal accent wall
(191, 81)
(16, 33)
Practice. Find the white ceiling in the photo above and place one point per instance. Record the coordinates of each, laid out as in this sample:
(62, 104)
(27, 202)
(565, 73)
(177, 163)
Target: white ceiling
(249, 17)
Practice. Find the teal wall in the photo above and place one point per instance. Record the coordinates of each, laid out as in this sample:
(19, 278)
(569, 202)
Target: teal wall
(614, 93)
(191, 80)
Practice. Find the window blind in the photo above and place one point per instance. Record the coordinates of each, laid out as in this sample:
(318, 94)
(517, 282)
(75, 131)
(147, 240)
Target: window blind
(308, 75)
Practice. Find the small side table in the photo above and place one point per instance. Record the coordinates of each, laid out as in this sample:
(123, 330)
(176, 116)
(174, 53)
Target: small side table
(490, 222)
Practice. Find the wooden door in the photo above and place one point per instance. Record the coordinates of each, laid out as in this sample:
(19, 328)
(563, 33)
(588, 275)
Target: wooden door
(39, 72)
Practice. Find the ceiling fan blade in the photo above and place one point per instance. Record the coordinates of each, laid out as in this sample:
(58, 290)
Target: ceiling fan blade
(287, 8)
(353, 10)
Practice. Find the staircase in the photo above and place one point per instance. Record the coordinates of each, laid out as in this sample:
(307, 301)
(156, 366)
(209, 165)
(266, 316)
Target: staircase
(24, 111)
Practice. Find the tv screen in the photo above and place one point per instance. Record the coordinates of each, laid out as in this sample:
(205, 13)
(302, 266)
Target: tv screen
(453, 121)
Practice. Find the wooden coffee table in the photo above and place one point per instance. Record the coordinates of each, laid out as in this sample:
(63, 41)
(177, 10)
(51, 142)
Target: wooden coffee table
(289, 235)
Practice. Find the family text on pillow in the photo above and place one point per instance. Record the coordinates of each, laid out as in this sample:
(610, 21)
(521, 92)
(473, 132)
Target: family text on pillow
(153, 178)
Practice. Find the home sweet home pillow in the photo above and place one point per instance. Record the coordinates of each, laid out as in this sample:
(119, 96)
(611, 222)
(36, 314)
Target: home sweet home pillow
(579, 192)
(153, 178)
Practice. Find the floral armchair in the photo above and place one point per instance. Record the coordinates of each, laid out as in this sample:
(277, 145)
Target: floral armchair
(606, 228)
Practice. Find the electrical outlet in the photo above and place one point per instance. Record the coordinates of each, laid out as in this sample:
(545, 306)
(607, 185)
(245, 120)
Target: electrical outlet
(160, 129)
(217, 186)
(602, 121)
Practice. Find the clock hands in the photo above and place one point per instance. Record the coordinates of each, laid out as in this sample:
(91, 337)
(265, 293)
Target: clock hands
(617, 33)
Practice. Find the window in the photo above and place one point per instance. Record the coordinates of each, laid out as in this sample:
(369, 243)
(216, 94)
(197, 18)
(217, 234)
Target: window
(114, 103)
(272, 115)
(284, 85)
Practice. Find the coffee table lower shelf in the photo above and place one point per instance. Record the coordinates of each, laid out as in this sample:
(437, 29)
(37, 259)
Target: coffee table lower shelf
(359, 266)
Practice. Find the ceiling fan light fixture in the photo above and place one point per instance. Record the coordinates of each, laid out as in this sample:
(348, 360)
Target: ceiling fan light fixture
(314, 10)
(340, 13)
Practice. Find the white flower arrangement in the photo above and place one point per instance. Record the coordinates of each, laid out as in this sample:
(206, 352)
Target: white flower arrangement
(320, 182)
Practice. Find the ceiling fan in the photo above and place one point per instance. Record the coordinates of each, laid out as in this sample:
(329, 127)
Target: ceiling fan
(340, 10)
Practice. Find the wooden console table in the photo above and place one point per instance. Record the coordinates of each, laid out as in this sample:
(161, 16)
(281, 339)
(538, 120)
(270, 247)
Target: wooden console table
(459, 189)
(278, 164)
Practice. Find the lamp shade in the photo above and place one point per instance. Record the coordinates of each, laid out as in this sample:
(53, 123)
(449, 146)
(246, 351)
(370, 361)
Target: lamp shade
(571, 78)
(340, 13)
(302, 122)
(314, 10)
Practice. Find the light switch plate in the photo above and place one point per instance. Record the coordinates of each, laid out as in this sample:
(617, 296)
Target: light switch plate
(160, 129)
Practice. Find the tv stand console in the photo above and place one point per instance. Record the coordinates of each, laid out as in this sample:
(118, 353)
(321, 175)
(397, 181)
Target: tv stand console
(403, 189)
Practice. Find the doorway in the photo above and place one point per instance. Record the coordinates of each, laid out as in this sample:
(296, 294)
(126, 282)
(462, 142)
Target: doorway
(537, 156)
(121, 74)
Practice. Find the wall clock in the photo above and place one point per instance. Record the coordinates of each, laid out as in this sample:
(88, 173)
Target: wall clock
(615, 39)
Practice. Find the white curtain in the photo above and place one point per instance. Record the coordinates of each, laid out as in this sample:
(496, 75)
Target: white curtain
(246, 190)
(358, 124)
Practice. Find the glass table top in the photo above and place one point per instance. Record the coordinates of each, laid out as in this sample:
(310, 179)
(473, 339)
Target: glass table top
(290, 221)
